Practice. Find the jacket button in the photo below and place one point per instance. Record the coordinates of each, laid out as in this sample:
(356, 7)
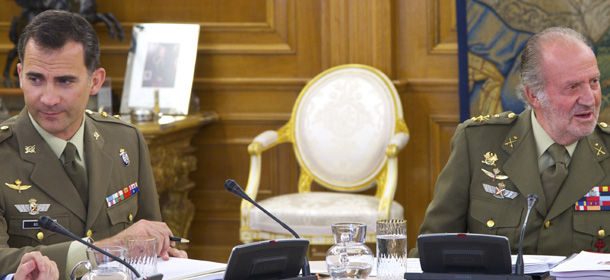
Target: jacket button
(601, 233)
(490, 223)
(40, 235)
(130, 217)
(547, 224)
(89, 233)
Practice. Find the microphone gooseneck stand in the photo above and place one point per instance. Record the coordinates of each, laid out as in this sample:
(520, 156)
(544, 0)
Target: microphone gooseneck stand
(234, 188)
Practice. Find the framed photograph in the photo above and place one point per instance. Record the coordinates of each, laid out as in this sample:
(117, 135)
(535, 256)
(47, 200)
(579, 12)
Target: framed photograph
(161, 59)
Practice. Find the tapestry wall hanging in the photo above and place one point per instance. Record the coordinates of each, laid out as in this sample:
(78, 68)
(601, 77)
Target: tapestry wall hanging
(491, 36)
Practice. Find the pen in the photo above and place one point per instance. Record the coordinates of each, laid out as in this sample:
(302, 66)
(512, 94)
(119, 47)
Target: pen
(179, 239)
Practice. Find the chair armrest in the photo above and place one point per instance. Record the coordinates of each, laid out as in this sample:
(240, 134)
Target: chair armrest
(387, 189)
(266, 138)
(263, 141)
(398, 141)
(260, 143)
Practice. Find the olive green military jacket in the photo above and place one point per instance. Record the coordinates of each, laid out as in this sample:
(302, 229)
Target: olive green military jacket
(505, 142)
(117, 157)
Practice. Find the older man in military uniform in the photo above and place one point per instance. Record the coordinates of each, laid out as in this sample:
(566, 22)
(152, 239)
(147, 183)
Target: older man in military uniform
(554, 149)
(88, 171)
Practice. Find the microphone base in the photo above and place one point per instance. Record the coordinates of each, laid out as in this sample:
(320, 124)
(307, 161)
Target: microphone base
(470, 276)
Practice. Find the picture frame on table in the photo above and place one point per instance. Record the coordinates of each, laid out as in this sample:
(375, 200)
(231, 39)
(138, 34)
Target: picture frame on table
(161, 60)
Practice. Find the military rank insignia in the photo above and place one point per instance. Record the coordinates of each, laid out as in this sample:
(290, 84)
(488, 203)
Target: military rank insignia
(122, 194)
(597, 199)
(33, 208)
(30, 149)
(17, 186)
(495, 174)
(500, 191)
(490, 159)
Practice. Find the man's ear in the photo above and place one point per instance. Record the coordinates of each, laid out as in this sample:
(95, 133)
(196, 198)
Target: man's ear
(531, 97)
(97, 79)
(19, 69)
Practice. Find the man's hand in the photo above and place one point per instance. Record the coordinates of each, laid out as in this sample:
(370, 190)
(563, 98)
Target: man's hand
(159, 230)
(35, 266)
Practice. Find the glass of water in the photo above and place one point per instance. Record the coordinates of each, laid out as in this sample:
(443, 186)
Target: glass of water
(391, 249)
(142, 254)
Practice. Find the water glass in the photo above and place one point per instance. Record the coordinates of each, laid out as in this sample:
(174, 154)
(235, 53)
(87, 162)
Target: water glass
(142, 254)
(391, 249)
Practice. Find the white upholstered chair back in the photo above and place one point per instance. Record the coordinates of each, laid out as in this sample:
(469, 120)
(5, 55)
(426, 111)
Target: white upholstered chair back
(346, 128)
(343, 123)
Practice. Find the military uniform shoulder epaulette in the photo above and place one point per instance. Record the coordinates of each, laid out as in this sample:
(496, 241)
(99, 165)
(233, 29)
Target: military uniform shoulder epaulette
(105, 117)
(604, 127)
(502, 118)
(5, 131)
(6, 128)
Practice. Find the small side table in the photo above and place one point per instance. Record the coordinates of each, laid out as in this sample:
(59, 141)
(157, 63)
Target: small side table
(172, 158)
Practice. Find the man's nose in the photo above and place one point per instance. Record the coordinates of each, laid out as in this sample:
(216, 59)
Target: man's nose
(589, 96)
(49, 95)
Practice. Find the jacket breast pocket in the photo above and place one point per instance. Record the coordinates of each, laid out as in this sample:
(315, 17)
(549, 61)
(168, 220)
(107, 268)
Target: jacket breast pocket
(122, 214)
(494, 217)
(589, 228)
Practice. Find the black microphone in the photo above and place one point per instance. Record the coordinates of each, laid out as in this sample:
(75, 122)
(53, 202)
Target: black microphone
(233, 187)
(51, 225)
(532, 199)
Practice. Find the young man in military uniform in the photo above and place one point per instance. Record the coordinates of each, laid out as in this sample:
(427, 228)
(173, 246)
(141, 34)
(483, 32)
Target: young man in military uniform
(497, 161)
(112, 194)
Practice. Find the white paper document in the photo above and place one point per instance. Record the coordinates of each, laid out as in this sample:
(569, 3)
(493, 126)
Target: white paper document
(534, 264)
(181, 269)
(584, 265)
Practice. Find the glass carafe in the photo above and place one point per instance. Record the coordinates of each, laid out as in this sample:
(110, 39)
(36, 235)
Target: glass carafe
(349, 258)
(101, 267)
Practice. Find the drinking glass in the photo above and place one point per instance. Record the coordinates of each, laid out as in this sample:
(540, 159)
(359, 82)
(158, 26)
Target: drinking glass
(142, 254)
(391, 249)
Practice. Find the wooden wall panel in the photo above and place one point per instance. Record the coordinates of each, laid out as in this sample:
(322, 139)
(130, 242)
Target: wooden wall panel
(427, 63)
(254, 57)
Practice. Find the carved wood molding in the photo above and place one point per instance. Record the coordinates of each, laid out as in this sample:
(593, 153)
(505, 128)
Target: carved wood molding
(276, 35)
(433, 85)
(437, 125)
(442, 27)
(297, 84)
(350, 34)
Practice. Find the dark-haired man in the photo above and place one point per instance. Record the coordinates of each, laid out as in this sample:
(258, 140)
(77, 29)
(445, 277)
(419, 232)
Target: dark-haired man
(89, 171)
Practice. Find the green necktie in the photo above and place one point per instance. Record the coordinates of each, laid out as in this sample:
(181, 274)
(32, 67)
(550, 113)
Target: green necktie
(553, 177)
(76, 172)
